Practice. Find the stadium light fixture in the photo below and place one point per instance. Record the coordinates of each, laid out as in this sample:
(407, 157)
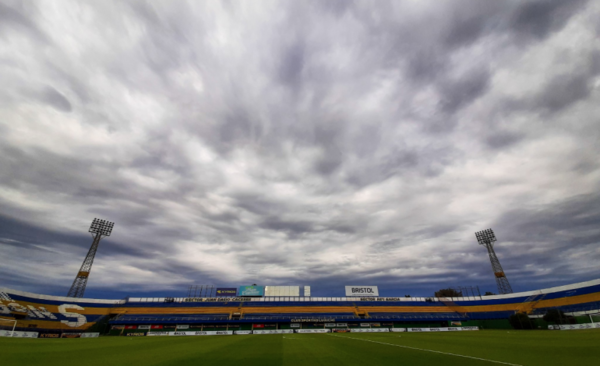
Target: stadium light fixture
(488, 238)
(99, 228)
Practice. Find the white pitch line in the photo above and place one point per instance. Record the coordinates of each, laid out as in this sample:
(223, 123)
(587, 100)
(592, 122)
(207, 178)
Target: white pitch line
(427, 350)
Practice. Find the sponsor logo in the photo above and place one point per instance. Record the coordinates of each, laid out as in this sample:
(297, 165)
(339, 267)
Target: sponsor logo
(258, 325)
(295, 325)
(156, 327)
(252, 291)
(183, 327)
(226, 292)
(143, 327)
(311, 320)
(131, 327)
(365, 324)
(362, 291)
(136, 334)
(341, 330)
(49, 335)
(71, 335)
(158, 333)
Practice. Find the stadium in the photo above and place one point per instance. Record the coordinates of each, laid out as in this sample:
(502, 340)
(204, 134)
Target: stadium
(290, 313)
(299, 182)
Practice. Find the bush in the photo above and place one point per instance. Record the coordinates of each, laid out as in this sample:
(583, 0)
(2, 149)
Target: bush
(520, 321)
(557, 316)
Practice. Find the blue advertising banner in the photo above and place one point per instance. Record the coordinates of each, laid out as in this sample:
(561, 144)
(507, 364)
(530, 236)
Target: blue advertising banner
(252, 291)
(226, 292)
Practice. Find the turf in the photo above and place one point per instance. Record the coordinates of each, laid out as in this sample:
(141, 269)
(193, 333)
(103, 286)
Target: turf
(513, 347)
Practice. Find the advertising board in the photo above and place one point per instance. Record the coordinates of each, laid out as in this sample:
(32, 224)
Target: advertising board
(229, 291)
(579, 326)
(295, 325)
(183, 326)
(155, 334)
(18, 334)
(242, 332)
(362, 291)
(398, 330)
(202, 333)
(282, 290)
(313, 330)
(90, 335)
(252, 291)
(274, 331)
(143, 326)
(134, 334)
(49, 335)
(71, 335)
(370, 330)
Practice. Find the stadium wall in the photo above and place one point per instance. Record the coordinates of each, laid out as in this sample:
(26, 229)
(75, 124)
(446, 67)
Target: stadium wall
(51, 313)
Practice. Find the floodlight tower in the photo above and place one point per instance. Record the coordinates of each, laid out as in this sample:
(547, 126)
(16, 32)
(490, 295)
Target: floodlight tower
(98, 229)
(487, 238)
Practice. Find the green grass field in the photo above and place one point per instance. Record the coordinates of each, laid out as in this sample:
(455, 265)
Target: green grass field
(488, 347)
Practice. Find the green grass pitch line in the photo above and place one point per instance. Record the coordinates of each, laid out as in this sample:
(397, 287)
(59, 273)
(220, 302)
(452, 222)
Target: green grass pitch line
(527, 348)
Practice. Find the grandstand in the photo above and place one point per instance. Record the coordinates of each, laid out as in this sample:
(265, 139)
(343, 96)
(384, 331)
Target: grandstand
(47, 314)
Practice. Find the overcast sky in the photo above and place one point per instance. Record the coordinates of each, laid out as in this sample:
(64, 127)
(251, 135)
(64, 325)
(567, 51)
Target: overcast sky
(323, 143)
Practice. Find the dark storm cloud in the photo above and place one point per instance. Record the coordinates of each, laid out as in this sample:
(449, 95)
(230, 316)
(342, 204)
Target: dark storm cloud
(316, 143)
(538, 19)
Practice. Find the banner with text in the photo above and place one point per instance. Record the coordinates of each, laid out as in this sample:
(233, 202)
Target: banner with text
(313, 330)
(274, 331)
(377, 330)
(230, 291)
(362, 291)
(252, 291)
(18, 334)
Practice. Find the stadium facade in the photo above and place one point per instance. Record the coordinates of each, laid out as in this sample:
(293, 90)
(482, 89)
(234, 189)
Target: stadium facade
(43, 313)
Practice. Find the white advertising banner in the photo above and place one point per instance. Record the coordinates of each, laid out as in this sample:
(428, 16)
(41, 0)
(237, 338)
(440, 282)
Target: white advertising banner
(313, 330)
(143, 326)
(397, 330)
(90, 335)
(417, 329)
(242, 332)
(274, 331)
(185, 326)
(18, 334)
(444, 329)
(295, 325)
(579, 326)
(371, 330)
(202, 333)
(362, 291)
(156, 334)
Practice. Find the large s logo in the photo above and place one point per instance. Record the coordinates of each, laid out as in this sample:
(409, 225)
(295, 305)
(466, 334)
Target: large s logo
(81, 319)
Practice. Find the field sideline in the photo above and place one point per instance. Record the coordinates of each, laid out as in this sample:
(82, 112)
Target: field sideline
(488, 347)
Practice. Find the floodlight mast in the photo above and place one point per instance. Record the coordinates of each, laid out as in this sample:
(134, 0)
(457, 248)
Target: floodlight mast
(487, 238)
(98, 229)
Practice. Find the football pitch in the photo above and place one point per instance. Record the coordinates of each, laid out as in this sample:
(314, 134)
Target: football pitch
(488, 347)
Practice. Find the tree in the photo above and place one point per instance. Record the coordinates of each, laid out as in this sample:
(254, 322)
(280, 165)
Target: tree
(448, 292)
(557, 316)
(487, 293)
(520, 321)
